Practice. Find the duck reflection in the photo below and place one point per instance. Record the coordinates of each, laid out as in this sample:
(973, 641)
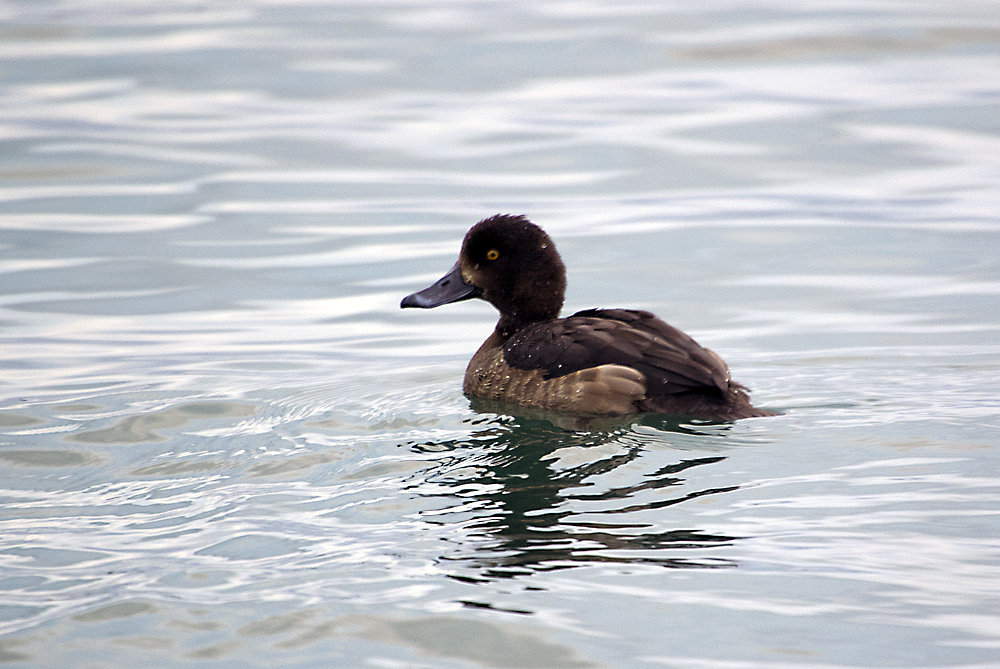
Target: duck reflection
(535, 496)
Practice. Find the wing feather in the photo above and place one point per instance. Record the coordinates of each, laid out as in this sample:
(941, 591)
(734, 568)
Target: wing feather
(671, 361)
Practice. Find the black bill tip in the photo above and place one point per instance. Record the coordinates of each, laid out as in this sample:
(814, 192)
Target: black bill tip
(449, 288)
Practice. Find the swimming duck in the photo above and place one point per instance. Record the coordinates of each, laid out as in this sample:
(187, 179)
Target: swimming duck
(597, 361)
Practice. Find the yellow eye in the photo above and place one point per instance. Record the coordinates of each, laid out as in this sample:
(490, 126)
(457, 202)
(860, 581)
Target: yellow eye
(492, 254)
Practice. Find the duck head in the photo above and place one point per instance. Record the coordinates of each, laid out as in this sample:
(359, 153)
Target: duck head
(511, 263)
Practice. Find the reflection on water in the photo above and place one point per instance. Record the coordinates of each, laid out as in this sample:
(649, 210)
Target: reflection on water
(538, 503)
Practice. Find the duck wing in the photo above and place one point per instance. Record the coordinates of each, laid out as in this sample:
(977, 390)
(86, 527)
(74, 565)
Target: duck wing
(671, 361)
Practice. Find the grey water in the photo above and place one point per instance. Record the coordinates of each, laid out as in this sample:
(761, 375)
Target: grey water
(222, 444)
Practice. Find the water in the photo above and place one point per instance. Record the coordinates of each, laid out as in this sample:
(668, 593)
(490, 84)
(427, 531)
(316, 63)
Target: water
(223, 444)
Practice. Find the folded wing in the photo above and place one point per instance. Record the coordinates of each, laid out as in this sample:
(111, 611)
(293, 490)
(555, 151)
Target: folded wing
(672, 362)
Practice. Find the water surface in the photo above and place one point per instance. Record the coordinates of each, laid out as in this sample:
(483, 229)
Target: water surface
(222, 443)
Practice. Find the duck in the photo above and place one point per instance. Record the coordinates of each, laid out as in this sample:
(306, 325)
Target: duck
(610, 362)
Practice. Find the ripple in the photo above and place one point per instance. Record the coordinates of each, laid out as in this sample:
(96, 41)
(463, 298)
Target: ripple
(171, 42)
(353, 255)
(11, 266)
(50, 458)
(879, 284)
(92, 223)
(396, 177)
(145, 427)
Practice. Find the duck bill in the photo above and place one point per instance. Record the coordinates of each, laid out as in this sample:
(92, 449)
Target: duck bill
(449, 288)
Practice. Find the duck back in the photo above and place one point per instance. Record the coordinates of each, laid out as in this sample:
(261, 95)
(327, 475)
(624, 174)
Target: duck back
(581, 362)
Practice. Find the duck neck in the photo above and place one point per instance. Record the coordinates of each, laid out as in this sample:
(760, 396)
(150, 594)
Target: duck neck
(528, 302)
(507, 326)
(513, 322)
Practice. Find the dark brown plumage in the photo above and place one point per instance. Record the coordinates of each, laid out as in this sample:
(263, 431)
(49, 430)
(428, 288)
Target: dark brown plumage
(598, 361)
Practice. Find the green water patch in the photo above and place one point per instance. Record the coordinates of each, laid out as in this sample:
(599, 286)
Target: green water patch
(8, 420)
(48, 458)
(145, 428)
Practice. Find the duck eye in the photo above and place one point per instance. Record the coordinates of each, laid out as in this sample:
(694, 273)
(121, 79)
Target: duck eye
(492, 254)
